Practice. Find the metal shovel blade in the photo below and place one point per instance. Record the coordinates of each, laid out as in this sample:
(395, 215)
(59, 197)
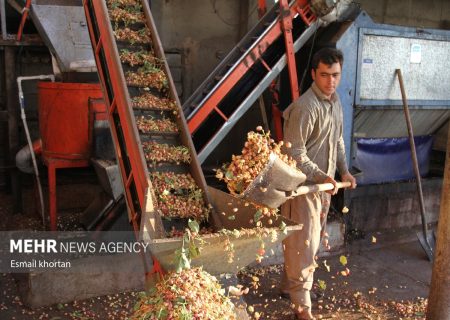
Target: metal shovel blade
(273, 186)
(428, 243)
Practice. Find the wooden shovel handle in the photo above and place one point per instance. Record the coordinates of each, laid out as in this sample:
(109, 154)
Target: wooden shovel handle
(319, 187)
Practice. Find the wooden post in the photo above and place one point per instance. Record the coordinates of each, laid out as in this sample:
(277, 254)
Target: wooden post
(439, 297)
(12, 101)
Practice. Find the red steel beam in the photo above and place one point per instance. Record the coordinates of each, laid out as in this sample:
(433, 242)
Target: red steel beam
(286, 21)
(276, 113)
(262, 8)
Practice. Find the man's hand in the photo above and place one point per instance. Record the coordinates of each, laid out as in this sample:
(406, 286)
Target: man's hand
(333, 182)
(348, 177)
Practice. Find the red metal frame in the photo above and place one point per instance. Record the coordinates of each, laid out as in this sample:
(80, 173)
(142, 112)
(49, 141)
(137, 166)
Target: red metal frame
(276, 113)
(52, 166)
(117, 102)
(23, 20)
(304, 10)
(156, 269)
(130, 155)
(65, 130)
(286, 22)
(262, 8)
(247, 62)
(132, 163)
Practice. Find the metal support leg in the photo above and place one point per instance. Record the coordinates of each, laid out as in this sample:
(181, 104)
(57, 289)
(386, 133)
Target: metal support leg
(52, 166)
(52, 196)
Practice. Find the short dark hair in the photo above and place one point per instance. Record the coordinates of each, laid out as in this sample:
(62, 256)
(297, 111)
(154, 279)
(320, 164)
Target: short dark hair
(327, 56)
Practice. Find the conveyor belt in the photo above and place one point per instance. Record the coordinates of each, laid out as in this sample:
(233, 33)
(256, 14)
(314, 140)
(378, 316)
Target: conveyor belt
(158, 163)
(236, 83)
(236, 54)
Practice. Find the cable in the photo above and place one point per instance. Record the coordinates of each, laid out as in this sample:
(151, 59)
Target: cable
(309, 59)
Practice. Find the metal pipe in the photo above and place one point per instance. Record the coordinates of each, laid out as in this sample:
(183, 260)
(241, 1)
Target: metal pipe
(24, 159)
(262, 108)
(110, 214)
(3, 18)
(27, 132)
(25, 11)
(439, 298)
(414, 158)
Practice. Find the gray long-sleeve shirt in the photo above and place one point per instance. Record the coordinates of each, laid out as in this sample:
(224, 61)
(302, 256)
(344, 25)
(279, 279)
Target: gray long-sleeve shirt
(313, 125)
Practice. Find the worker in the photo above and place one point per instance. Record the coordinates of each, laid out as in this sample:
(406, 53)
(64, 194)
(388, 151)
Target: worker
(313, 127)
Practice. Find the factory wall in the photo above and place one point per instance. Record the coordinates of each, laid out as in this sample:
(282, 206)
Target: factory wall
(201, 31)
(413, 13)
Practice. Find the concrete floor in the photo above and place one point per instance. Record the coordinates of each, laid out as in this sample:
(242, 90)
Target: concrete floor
(385, 282)
(399, 271)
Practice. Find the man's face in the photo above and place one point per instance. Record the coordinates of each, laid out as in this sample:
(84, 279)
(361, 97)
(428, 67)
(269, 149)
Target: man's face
(327, 77)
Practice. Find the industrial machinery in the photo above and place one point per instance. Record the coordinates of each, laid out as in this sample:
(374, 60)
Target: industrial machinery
(66, 130)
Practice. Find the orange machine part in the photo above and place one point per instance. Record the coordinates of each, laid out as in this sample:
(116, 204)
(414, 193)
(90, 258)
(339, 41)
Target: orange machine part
(64, 119)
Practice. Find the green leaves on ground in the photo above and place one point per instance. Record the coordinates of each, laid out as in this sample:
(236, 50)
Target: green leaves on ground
(194, 226)
(322, 285)
(343, 260)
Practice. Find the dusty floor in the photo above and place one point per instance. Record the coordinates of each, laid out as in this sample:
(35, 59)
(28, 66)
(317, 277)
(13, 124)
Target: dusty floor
(385, 281)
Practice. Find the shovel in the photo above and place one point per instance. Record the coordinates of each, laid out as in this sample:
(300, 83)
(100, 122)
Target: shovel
(275, 182)
(426, 237)
(279, 182)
